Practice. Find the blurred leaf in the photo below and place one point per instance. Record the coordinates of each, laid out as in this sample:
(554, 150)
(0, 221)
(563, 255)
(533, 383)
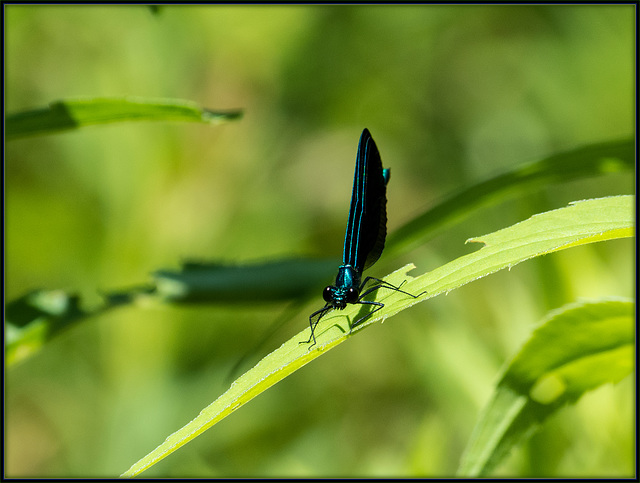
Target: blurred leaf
(30, 326)
(578, 348)
(591, 160)
(32, 319)
(580, 223)
(266, 281)
(74, 113)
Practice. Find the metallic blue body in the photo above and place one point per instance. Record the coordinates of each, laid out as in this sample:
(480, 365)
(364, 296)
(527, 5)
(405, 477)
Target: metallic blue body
(347, 280)
(364, 237)
(367, 224)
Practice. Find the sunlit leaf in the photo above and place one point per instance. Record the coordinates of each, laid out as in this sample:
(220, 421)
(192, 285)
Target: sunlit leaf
(580, 223)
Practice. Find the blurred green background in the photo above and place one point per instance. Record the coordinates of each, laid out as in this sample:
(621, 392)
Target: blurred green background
(451, 94)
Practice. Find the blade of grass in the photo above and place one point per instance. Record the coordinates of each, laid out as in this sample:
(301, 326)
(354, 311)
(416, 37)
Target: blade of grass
(74, 113)
(580, 223)
(284, 279)
(578, 348)
(583, 162)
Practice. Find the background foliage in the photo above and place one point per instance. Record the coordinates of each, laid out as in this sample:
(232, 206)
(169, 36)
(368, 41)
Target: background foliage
(452, 95)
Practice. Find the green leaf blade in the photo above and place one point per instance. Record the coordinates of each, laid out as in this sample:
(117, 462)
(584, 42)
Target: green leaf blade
(75, 113)
(285, 360)
(579, 223)
(586, 161)
(283, 279)
(577, 349)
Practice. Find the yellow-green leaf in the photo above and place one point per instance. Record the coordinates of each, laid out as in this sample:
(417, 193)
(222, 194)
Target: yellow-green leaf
(581, 222)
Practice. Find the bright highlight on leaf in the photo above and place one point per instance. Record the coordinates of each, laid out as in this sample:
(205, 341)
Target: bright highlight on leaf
(74, 113)
(580, 223)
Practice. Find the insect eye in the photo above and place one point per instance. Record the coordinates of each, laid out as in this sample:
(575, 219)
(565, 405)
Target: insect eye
(352, 296)
(327, 294)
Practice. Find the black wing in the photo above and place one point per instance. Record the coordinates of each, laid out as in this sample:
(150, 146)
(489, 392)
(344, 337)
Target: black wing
(367, 225)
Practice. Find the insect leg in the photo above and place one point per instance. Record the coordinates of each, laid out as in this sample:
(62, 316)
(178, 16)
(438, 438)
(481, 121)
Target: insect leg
(378, 305)
(318, 314)
(383, 284)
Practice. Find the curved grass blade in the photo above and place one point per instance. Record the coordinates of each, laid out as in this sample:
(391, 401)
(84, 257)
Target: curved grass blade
(586, 161)
(580, 223)
(75, 113)
(285, 360)
(578, 348)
